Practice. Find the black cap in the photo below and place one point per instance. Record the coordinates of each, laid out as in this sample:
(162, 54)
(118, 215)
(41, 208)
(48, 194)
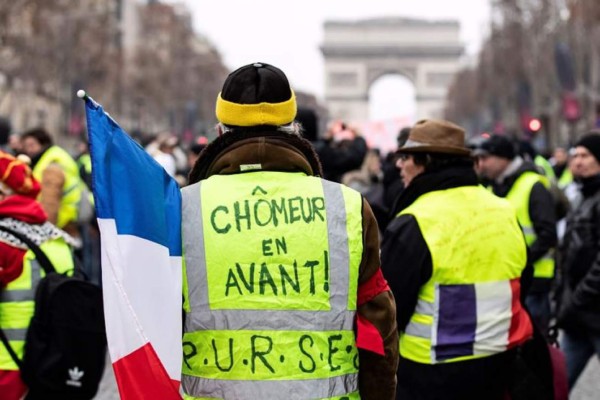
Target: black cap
(591, 142)
(496, 145)
(256, 94)
(256, 83)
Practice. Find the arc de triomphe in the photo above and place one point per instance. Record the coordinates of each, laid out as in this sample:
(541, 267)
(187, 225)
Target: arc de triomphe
(358, 53)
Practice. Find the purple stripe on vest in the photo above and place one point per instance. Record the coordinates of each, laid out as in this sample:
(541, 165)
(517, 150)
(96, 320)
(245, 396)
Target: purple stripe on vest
(457, 321)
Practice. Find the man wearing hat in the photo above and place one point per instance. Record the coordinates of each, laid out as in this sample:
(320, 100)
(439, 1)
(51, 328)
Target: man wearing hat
(18, 268)
(520, 182)
(283, 294)
(453, 258)
(579, 307)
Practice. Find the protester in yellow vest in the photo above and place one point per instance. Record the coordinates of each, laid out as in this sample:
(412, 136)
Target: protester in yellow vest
(58, 173)
(560, 166)
(518, 181)
(528, 191)
(19, 271)
(283, 295)
(545, 167)
(453, 258)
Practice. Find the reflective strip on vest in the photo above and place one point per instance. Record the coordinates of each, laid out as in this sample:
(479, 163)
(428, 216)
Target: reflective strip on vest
(470, 307)
(15, 334)
(17, 298)
(220, 334)
(24, 294)
(339, 387)
(421, 329)
(518, 196)
(418, 329)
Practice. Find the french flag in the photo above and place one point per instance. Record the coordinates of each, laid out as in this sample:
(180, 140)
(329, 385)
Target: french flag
(479, 319)
(138, 206)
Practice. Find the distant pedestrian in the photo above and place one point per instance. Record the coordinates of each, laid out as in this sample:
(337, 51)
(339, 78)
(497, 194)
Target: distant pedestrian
(579, 311)
(520, 182)
(5, 130)
(341, 150)
(62, 187)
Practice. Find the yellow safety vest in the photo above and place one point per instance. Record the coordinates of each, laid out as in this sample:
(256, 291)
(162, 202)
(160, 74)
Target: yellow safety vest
(518, 196)
(85, 162)
(72, 188)
(17, 298)
(470, 307)
(565, 178)
(270, 285)
(546, 167)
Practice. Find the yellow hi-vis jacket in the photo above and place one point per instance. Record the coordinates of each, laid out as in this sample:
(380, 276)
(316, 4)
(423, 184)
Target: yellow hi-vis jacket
(72, 188)
(546, 167)
(470, 307)
(17, 299)
(565, 179)
(518, 196)
(270, 287)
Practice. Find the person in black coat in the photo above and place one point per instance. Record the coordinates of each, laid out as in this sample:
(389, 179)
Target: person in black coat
(499, 163)
(340, 150)
(579, 308)
(436, 167)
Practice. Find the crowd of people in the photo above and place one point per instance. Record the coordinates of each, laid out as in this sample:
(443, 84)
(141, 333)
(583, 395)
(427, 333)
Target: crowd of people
(432, 272)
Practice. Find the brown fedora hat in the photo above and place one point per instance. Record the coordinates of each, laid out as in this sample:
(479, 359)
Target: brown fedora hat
(436, 136)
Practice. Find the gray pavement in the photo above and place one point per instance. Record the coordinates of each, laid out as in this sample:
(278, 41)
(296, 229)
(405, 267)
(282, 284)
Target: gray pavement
(108, 386)
(588, 387)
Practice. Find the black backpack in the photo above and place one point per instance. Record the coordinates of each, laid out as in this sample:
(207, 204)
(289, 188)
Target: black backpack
(65, 347)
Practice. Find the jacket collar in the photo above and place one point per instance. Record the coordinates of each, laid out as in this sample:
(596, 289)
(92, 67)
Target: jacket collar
(238, 152)
(448, 178)
(511, 169)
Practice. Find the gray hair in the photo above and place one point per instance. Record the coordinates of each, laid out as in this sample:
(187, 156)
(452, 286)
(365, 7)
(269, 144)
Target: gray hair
(294, 128)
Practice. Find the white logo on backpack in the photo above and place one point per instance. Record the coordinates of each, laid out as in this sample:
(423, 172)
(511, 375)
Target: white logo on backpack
(75, 375)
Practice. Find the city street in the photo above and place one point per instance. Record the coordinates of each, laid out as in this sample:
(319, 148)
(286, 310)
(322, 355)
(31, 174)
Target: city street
(287, 173)
(587, 388)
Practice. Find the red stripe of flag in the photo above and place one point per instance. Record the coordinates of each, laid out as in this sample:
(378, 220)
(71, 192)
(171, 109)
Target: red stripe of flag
(520, 325)
(141, 375)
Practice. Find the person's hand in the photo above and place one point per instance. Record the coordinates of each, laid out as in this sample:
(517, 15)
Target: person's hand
(333, 129)
(567, 316)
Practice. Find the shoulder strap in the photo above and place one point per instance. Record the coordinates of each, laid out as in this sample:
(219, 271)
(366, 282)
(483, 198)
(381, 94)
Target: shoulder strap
(10, 350)
(39, 254)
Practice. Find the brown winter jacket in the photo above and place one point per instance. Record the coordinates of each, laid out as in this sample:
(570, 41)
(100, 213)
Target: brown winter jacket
(278, 151)
(53, 180)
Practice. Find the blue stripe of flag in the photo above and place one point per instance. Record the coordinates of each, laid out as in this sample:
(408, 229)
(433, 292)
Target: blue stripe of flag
(457, 321)
(129, 186)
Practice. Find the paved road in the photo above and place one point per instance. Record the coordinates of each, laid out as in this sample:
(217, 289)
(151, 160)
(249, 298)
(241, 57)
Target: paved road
(108, 386)
(588, 387)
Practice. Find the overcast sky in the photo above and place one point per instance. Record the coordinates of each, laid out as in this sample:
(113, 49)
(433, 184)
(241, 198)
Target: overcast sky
(288, 33)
